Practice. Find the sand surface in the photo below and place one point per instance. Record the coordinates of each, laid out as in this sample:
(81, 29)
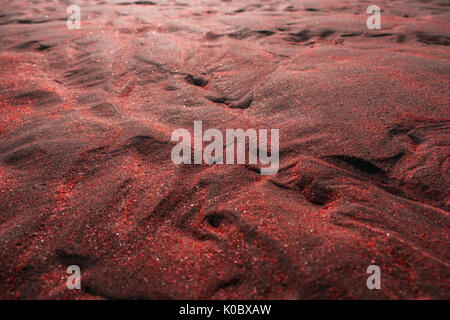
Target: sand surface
(86, 176)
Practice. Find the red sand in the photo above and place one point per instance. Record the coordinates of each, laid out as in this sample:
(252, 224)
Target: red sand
(86, 176)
